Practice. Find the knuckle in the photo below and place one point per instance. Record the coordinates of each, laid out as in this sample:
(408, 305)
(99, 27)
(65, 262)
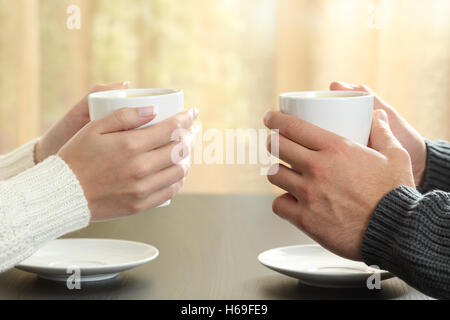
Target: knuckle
(269, 142)
(301, 221)
(181, 183)
(400, 153)
(175, 123)
(136, 207)
(306, 194)
(269, 120)
(312, 167)
(292, 128)
(273, 169)
(129, 145)
(123, 113)
(179, 151)
(341, 148)
(273, 178)
(384, 129)
(140, 170)
(185, 149)
(181, 171)
(318, 170)
(188, 119)
(346, 144)
(121, 116)
(276, 208)
(139, 191)
(172, 191)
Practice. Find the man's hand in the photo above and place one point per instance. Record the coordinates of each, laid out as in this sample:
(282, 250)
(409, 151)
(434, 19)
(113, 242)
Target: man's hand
(334, 184)
(75, 119)
(409, 138)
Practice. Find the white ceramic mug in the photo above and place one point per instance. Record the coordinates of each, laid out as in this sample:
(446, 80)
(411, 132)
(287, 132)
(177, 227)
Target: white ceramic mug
(167, 103)
(346, 113)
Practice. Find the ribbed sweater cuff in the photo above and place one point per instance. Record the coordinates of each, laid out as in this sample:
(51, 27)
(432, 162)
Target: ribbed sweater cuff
(17, 161)
(39, 205)
(437, 175)
(387, 223)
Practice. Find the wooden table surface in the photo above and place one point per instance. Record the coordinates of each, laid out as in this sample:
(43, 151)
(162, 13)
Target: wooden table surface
(208, 248)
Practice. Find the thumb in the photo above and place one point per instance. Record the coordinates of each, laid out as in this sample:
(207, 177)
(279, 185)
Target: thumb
(381, 138)
(126, 119)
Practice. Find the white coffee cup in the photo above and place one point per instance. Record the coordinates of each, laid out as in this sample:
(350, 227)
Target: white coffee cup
(346, 113)
(166, 103)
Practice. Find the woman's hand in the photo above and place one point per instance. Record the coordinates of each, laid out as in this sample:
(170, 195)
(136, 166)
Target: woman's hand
(72, 122)
(334, 184)
(409, 138)
(124, 171)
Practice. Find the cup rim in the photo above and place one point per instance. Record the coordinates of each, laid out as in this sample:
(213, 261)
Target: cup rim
(115, 94)
(310, 95)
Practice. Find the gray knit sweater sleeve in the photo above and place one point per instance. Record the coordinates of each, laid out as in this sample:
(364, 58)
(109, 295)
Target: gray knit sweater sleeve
(437, 175)
(409, 232)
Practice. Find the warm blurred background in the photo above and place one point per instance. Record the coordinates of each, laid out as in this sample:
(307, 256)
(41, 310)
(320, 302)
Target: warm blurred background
(232, 58)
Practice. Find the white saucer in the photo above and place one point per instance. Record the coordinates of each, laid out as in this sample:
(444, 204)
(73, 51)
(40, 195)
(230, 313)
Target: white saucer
(97, 259)
(314, 266)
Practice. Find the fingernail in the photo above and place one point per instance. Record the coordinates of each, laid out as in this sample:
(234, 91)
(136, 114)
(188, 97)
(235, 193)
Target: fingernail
(267, 116)
(344, 84)
(382, 115)
(126, 83)
(146, 112)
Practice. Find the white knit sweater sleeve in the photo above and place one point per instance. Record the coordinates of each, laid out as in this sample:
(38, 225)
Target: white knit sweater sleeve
(40, 204)
(17, 161)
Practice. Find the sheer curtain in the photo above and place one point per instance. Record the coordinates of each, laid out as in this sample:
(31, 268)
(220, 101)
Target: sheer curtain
(231, 57)
(399, 48)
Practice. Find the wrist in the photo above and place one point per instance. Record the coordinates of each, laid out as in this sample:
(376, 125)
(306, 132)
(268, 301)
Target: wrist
(38, 154)
(57, 136)
(420, 164)
(43, 149)
(419, 176)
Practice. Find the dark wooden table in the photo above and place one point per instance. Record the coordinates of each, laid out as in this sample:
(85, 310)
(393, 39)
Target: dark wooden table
(208, 247)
